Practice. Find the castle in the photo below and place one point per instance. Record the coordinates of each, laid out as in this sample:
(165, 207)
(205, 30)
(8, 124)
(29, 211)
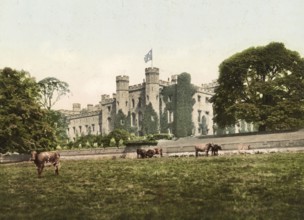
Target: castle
(132, 100)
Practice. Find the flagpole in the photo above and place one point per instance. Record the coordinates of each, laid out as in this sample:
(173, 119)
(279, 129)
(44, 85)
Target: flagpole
(152, 58)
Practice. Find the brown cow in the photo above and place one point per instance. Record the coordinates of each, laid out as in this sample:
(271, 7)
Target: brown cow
(202, 148)
(151, 152)
(141, 153)
(40, 159)
(215, 148)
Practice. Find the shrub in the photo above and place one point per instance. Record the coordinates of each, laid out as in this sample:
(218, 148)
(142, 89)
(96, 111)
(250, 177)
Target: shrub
(163, 136)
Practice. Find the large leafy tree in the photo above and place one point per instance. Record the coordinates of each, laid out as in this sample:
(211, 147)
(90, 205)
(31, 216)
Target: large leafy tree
(263, 85)
(23, 124)
(52, 89)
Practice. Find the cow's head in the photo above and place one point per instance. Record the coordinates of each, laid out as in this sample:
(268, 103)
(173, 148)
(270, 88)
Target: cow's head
(33, 155)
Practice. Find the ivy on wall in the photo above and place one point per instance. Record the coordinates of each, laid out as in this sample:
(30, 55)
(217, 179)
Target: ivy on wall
(150, 121)
(183, 117)
(179, 101)
(123, 121)
(169, 97)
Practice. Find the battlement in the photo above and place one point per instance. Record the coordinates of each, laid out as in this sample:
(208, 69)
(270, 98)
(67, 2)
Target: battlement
(122, 78)
(152, 70)
(104, 97)
(136, 87)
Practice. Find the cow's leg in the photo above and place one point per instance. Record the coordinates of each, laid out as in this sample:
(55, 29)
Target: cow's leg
(56, 165)
(40, 169)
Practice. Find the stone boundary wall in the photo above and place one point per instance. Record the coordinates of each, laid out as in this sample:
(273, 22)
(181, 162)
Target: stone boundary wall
(130, 152)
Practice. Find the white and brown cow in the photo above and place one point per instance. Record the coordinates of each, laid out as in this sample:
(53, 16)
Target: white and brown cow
(202, 148)
(40, 159)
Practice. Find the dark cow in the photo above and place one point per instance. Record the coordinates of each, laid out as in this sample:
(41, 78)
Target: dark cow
(141, 153)
(215, 148)
(40, 159)
(202, 148)
(155, 151)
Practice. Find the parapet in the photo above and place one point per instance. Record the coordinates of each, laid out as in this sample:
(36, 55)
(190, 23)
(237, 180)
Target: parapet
(136, 87)
(122, 78)
(152, 70)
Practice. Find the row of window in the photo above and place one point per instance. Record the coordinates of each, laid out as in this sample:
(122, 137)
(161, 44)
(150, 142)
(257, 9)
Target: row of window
(87, 129)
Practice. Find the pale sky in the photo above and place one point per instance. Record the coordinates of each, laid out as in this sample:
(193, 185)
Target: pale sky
(87, 43)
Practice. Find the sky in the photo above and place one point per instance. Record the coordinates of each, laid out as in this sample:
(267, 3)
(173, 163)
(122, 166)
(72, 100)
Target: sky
(87, 43)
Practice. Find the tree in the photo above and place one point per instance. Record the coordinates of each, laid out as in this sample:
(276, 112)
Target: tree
(23, 124)
(59, 122)
(51, 90)
(263, 85)
(118, 135)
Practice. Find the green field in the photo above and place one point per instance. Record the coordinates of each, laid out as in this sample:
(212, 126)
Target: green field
(262, 186)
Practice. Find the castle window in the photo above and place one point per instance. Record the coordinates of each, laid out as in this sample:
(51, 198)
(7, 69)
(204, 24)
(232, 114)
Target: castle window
(74, 130)
(139, 102)
(199, 115)
(133, 119)
(122, 122)
(198, 98)
(80, 128)
(207, 99)
(133, 103)
(170, 98)
(207, 113)
(126, 103)
(93, 127)
(109, 108)
(147, 98)
(170, 116)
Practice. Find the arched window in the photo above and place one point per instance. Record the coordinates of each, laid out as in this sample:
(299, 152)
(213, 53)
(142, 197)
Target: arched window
(133, 117)
(133, 103)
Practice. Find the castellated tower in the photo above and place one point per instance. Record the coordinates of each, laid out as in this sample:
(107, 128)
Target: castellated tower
(152, 88)
(122, 94)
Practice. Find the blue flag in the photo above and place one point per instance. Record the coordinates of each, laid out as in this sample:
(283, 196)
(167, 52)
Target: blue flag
(148, 56)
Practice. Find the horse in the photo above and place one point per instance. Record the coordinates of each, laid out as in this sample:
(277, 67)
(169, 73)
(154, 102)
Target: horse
(202, 148)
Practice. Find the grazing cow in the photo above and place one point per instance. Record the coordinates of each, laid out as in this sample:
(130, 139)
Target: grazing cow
(243, 147)
(215, 148)
(202, 148)
(141, 153)
(40, 159)
(151, 152)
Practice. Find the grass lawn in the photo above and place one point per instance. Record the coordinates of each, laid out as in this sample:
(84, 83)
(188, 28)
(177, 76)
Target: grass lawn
(262, 186)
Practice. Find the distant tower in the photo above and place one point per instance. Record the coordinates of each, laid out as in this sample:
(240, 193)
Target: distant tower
(152, 88)
(122, 94)
(76, 107)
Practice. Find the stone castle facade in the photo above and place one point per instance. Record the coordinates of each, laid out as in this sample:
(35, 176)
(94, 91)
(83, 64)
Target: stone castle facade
(132, 99)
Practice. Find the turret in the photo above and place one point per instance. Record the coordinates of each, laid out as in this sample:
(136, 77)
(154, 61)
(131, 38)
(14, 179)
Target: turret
(76, 107)
(152, 88)
(122, 94)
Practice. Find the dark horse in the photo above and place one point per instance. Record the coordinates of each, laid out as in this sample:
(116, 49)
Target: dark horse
(203, 148)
